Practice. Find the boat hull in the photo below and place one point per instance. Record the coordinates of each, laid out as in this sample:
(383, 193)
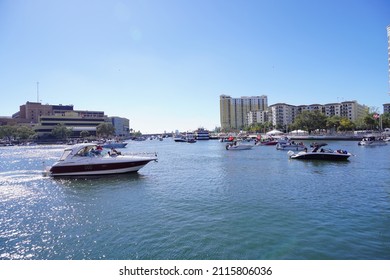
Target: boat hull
(321, 156)
(240, 147)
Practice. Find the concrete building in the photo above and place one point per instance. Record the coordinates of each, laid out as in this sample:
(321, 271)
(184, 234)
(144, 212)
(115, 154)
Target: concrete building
(386, 108)
(44, 117)
(234, 111)
(257, 117)
(32, 111)
(282, 114)
(72, 120)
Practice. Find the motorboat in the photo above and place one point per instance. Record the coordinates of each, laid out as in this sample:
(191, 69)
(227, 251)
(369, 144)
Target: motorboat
(291, 146)
(87, 159)
(112, 144)
(319, 153)
(373, 141)
(188, 138)
(235, 146)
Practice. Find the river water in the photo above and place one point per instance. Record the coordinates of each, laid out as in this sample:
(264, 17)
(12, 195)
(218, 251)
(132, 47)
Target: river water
(199, 201)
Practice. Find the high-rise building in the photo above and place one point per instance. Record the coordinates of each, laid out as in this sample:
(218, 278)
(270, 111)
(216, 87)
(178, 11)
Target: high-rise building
(388, 53)
(234, 111)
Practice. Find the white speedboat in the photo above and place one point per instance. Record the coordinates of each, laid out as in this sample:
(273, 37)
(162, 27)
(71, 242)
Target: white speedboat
(319, 153)
(372, 141)
(238, 146)
(85, 159)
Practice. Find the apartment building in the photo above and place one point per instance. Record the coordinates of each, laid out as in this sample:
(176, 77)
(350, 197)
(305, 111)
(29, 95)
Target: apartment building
(282, 114)
(234, 111)
(386, 108)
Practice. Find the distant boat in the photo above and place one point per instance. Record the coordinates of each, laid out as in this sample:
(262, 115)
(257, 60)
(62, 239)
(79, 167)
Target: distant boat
(238, 146)
(188, 137)
(86, 159)
(373, 141)
(114, 144)
(202, 134)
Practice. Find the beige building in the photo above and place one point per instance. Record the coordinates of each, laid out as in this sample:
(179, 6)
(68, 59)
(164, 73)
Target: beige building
(388, 53)
(282, 114)
(234, 111)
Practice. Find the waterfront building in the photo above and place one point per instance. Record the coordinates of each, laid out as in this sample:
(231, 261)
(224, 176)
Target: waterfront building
(353, 110)
(32, 111)
(234, 111)
(257, 117)
(386, 108)
(282, 114)
(121, 125)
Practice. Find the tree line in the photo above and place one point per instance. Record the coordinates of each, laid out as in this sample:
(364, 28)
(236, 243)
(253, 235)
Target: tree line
(24, 133)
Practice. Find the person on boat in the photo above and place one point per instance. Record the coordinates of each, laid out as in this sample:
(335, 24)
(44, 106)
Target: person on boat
(114, 152)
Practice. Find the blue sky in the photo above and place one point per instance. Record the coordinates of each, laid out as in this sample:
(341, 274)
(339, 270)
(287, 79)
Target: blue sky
(164, 63)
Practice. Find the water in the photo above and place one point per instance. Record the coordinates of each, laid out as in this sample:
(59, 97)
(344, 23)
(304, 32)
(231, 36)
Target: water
(199, 201)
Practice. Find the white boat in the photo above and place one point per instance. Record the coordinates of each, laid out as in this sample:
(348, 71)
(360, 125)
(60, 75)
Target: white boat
(319, 153)
(114, 144)
(238, 146)
(372, 141)
(289, 145)
(85, 159)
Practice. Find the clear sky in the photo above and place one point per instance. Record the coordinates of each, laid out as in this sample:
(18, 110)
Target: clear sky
(164, 63)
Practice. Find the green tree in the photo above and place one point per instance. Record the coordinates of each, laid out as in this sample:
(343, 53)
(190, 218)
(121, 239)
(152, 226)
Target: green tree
(25, 132)
(310, 120)
(385, 120)
(61, 131)
(370, 121)
(105, 130)
(333, 122)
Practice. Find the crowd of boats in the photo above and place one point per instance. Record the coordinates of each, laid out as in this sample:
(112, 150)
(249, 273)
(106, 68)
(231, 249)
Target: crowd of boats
(102, 158)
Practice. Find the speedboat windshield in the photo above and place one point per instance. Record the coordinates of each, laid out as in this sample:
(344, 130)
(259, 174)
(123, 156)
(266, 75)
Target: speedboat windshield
(65, 154)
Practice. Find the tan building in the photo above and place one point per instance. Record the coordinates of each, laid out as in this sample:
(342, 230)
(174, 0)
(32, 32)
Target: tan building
(234, 111)
(45, 117)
